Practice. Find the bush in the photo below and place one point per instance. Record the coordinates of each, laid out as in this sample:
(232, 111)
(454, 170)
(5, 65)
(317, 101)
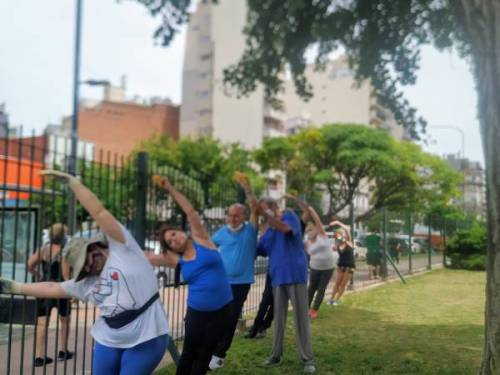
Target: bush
(467, 248)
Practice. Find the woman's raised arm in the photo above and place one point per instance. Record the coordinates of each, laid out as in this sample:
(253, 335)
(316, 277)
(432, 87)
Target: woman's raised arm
(106, 221)
(198, 231)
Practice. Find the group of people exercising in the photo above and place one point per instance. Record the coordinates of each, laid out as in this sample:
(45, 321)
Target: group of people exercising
(111, 271)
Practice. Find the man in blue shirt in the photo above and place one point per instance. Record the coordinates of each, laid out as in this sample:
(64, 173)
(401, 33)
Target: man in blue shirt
(237, 242)
(282, 243)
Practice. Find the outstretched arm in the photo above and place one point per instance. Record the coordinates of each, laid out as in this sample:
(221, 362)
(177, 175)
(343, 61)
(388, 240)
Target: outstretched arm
(317, 221)
(106, 221)
(198, 231)
(302, 205)
(244, 182)
(39, 290)
(346, 228)
(272, 221)
(167, 259)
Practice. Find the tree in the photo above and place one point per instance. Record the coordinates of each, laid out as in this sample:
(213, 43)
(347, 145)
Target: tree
(413, 181)
(382, 40)
(202, 164)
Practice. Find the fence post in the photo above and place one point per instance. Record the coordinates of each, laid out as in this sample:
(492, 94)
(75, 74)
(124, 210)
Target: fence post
(141, 174)
(384, 262)
(444, 241)
(351, 223)
(410, 254)
(429, 240)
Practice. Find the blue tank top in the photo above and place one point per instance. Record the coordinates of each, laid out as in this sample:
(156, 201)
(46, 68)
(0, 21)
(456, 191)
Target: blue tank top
(208, 285)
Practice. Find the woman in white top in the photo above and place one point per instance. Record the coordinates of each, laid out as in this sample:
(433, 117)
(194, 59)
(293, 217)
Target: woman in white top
(321, 261)
(111, 271)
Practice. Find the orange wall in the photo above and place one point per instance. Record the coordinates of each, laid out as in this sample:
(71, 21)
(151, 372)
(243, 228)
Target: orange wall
(22, 173)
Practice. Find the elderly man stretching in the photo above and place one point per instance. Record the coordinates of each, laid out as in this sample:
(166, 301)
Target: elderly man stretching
(282, 243)
(237, 242)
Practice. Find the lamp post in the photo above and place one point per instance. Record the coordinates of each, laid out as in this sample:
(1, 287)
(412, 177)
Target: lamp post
(462, 134)
(72, 165)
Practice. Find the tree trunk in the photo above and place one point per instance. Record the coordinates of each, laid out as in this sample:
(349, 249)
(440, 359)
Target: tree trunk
(482, 29)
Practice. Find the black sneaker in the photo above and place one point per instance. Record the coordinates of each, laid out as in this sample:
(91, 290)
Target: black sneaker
(271, 362)
(260, 334)
(249, 335)
(64, 355)
(39, 361)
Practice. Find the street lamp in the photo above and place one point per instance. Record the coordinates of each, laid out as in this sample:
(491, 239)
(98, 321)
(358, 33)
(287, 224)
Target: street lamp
(462, 134)
(72, 166)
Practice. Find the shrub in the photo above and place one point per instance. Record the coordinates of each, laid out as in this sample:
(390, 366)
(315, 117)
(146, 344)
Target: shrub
(467, 248)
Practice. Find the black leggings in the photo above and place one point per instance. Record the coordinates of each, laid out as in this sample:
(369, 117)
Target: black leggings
(202, 331)
(240, 293)
(265, 314)
(318, 281)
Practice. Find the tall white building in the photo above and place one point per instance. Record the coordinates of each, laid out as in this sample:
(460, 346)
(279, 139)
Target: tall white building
(338, 99)
(215, 40)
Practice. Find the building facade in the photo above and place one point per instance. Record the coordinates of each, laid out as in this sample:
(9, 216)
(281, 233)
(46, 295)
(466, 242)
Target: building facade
(214, 41)
(339, 99)
(473, 187)
(116, 126)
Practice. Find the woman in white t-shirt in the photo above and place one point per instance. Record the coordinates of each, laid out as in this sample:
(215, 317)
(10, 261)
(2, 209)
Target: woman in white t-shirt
(321, 262)
(111, 271)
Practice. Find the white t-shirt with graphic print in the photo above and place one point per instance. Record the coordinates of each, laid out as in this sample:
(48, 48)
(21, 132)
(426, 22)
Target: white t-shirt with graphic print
(126, 282)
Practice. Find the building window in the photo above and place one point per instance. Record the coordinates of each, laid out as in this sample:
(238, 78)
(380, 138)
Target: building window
(205, 112)
(205, 57)
(203, 94)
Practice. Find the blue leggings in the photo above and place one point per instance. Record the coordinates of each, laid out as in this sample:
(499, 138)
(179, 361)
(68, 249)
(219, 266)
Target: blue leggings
(141, 359)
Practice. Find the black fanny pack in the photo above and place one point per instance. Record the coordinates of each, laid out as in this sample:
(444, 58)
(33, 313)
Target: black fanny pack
(128, 316)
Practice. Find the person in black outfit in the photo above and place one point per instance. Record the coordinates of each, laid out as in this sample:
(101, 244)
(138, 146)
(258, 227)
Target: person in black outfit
(264, 317)
(346, 263)
(46, 264)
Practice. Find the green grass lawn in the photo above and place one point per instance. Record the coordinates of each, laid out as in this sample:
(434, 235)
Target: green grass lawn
(432, 325)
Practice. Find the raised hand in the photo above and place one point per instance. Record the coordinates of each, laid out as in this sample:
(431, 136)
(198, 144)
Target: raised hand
(242, 179)
(57, 174)
(162, 182)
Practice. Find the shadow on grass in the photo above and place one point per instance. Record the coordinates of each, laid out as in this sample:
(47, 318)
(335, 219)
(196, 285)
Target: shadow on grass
(347, 340)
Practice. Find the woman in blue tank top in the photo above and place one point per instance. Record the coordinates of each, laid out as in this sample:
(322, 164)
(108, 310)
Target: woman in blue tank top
(209, 292)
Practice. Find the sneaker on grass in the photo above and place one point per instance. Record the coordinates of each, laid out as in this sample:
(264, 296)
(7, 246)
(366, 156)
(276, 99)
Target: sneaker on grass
(260, 334)
(271, 362)
(309, 368)
(216, 363)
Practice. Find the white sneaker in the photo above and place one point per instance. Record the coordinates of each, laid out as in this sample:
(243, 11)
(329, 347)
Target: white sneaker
(216, 362)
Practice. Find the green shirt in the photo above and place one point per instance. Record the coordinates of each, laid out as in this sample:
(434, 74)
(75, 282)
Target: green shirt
(373, 243)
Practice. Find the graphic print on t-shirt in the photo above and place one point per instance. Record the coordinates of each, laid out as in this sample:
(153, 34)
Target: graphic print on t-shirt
(114, 285)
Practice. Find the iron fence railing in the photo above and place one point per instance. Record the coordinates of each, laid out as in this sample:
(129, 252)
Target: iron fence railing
(29, 205)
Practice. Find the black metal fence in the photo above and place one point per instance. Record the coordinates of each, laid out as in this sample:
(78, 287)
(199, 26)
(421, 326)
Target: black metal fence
(29, 206)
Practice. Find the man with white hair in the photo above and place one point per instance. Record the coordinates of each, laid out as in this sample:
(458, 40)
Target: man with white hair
(237, 243)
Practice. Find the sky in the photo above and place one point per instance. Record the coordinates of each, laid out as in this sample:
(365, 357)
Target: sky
(36, 68)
